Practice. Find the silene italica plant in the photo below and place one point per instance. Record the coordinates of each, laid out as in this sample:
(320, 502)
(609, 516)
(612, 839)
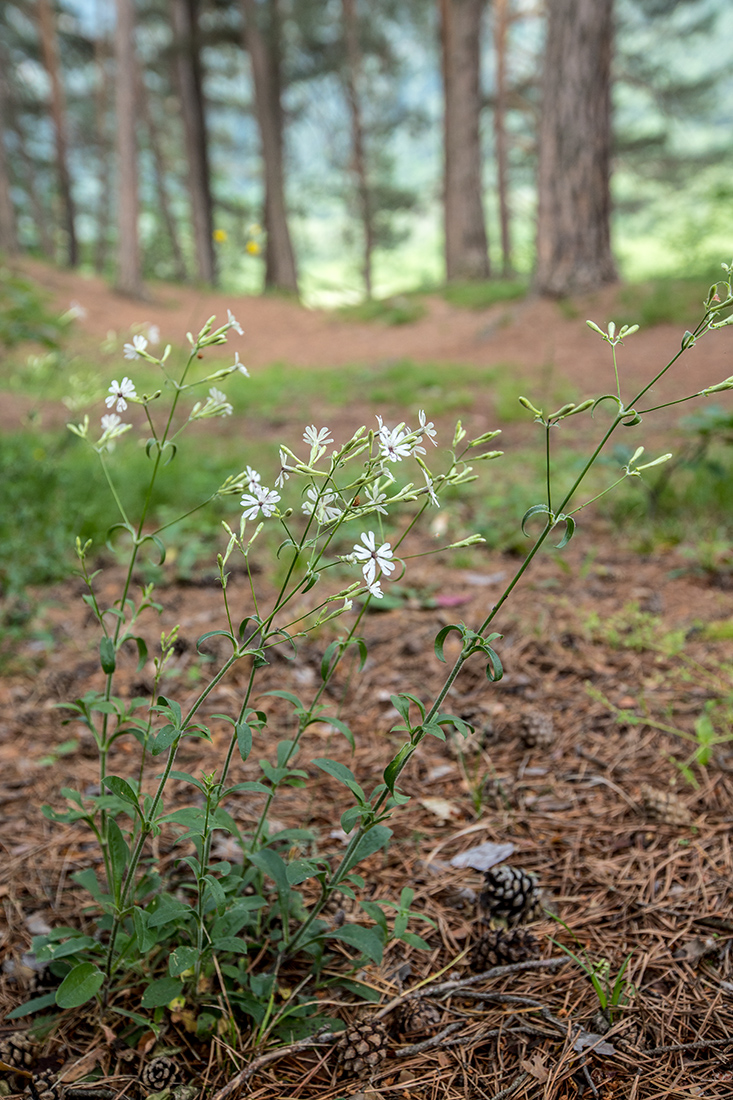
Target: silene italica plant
(217, 943)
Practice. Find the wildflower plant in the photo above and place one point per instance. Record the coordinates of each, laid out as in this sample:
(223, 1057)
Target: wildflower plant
(227, 934)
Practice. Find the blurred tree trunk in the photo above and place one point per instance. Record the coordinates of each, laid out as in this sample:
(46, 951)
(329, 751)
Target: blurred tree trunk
(185, 15)
(466, 248)
(573, 221)
(502, 18)
(264, 50)
(129, 274)
(8, 226)
(104, 153)
(159, 166)
(28, 175)
(50, 51)
(352, 81)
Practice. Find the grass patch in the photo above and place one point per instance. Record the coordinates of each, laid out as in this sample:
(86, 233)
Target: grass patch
(663, 301)
(482, 295)
(402, 309)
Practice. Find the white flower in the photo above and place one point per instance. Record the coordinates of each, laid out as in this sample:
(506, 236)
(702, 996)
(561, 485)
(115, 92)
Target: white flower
(234, 323)
(284, 474)
(132, 351)
(373, 557)
(120, 392)
(217, 403)
(259, 498)
(428, 429)
(153, 334)
(112, 427)
(394, 444)
(236, 365)
(429, 489)
(326, 509)
(110, 422)
(375, 589)
(374, 498)
(316, 437)
(253, 479)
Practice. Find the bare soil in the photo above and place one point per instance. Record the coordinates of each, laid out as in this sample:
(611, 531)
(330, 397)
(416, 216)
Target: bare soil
(577, 811)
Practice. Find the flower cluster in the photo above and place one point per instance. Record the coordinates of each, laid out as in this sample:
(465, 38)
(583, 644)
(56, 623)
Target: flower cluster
(373, 558)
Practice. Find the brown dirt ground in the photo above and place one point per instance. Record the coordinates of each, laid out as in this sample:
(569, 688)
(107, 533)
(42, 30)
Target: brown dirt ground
(574, 811)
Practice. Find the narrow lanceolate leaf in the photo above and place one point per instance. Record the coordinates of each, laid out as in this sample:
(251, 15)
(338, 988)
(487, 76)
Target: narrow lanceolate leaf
(79, 986)
(365, 940)
(107, 655)
(244, 739)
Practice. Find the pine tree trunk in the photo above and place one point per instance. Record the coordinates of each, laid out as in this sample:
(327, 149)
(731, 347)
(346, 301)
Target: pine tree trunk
(466, 249)
(280, 271)
(501, 26)
(352, 80)
(8, 226)
(159, 166)
(573, 221)
(190, 86)
(104, 153)
(49, 47)
(129, 274)
(29, 182)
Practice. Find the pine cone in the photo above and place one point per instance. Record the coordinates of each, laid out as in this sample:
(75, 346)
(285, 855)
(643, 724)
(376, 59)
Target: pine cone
(418, 1016)
(664, 806)
(158, 1074)
(511, 895)
(362, 1047)
(537, 730)
(47, 1085)
(499, 947)
(19, 1050)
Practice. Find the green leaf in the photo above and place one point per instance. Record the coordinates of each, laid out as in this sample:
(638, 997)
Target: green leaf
(535, 510)
(300, 707)
(164, 738)
(441, 636)
(365, 940)
(169, 910)
(233, 945)
(79, 986)
(183, 958)
(341, 773)
(146, 938)
(396, 764)
(244, 739)
(569, 531)
(340, 726)
(494, 669)
(374, 839)
(34, 1005)
(118, 851)
(107, 655)
(161, 992)
(414, 940)
(214, 634)
(272, 865)
(298, 870)
(256, 788)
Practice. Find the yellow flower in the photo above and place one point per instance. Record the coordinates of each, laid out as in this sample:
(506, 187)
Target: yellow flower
(220, 236)
(253, 248)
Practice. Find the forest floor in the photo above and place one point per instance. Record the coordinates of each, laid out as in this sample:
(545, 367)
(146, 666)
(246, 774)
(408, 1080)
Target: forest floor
(608, 643)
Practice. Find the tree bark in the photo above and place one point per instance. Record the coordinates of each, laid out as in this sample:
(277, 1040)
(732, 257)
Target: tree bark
(49, 47)
(573, 221)
(129, 274)
(466, 248)
(190, 86)
(159, 166)
(104, 152)
(352, 81)
(8, 226)
(280, 270)
(501, 25)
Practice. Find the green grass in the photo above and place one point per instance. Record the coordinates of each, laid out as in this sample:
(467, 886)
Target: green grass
(401, 309)
(482, 295)
(664, 301)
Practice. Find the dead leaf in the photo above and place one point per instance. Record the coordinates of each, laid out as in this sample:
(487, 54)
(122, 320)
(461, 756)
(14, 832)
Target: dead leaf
(696, 949)
(590, 1039)
(108, 1034)
(83, 1066)
(440, 808)
(535, 1067)
(483, 856)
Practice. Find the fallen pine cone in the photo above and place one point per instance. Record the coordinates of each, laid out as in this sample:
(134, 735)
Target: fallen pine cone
(47, 1086)
(18, 1050)
(158, 1074)
(511, 895)
(362, 1047)
(537, 730)
(500, 947)
(664, 806)
(418, 1016)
